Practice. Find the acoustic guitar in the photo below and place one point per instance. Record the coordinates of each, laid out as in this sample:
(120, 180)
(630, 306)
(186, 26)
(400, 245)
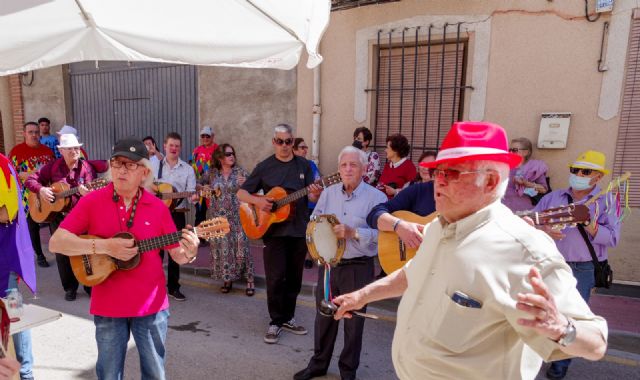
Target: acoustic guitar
(171, 197)
(560, 217)
(92, 270)
(41, 210)
(256, 222)
(392, 252)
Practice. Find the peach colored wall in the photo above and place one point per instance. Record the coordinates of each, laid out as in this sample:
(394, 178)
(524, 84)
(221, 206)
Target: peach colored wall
(543, 58)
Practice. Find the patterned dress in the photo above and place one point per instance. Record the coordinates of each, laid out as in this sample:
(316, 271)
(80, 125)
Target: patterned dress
(230, 257)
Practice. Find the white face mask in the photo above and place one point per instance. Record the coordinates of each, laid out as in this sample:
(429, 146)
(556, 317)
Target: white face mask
(579, 183)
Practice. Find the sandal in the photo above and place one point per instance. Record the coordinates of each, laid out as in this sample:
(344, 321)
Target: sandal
(226, 287)
(250, 291)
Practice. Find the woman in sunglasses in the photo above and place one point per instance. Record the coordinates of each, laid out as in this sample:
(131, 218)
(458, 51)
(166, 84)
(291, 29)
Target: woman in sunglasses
(230, 257)
(527, 182)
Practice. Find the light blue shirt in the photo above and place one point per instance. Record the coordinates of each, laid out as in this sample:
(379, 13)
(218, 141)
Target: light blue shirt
(181, 176)
(352, 210)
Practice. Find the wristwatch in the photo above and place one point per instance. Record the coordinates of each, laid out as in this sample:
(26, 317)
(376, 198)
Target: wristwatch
(569, 335)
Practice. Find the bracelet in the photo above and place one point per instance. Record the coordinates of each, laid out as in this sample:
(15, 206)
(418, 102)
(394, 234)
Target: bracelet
(93, 246)
(395, 224)
(190, 259)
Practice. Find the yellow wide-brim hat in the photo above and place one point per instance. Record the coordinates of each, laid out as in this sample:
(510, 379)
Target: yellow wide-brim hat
(591, 159)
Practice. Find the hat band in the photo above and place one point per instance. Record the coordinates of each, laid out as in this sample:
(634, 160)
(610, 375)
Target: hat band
(587, 164)
(451, 153)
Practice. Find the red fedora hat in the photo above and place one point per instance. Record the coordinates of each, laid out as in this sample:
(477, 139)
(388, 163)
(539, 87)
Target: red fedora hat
(475, 140)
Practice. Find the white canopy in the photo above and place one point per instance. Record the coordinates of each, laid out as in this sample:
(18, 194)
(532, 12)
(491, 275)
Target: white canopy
(35, 34)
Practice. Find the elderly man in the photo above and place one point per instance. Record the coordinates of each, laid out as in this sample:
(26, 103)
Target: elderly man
(487, 296)
(285, 247)
(75, 172)
(350, 202)
(132, 302)
(576, 243)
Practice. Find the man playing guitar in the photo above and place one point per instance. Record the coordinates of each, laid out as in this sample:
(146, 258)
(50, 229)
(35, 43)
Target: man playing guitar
(76, 172)
(133, 301)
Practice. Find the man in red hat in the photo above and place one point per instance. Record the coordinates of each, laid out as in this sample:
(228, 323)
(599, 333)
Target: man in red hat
(487, 295)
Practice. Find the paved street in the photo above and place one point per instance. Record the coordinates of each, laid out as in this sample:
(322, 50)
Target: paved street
(216, 336)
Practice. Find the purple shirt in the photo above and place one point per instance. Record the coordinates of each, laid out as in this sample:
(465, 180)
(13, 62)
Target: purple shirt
(573, 246)
(531, 171)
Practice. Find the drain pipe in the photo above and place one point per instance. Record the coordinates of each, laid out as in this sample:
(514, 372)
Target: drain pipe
(316, 111)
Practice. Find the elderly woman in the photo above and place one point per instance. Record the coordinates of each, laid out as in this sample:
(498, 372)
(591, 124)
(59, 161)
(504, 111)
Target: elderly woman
(527, 180)
(399, 170)
(423, 172)
(362, 139)
(230, 257)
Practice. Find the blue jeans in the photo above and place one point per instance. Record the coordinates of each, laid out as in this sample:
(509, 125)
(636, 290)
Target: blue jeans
(112, 335)
(584, 274)
(22, 342)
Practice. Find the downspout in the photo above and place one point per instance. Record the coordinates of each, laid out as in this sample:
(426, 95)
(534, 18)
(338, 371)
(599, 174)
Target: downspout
(316, 111)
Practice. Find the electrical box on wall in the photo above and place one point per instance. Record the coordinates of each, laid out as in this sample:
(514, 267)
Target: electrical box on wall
(604, 6)
(554, 130)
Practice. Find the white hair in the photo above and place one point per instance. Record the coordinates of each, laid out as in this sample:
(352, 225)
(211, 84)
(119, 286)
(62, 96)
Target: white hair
(362, 157)
(146, 182)
(501, 168)
(283, 128)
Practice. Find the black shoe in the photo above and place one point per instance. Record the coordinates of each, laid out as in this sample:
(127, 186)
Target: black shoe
(70, 295)
(42, 262)
(177, 295)
(307, 374)
(556, 373)
(349, 377)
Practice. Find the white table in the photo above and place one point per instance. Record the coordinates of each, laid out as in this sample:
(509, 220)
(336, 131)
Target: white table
(34, 316)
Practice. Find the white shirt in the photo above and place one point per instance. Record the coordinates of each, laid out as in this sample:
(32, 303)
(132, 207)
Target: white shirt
(181, 176)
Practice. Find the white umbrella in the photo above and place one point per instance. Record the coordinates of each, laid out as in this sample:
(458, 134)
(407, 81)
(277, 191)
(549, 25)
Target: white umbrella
(248, 33)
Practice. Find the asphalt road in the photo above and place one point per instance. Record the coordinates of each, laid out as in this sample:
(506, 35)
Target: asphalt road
(217, 336)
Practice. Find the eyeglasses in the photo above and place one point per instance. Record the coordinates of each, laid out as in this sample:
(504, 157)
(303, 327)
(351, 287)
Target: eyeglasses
(578, 170)
(205, 136)
(516, 150)
(229, 154)
(278, 141)
(450, 175)
(117, 164)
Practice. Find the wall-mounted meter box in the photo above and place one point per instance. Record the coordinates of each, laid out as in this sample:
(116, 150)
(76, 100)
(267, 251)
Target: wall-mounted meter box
(604, 6)
(554, 130)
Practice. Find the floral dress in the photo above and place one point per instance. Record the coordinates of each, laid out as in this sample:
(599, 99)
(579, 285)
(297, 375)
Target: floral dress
(230, 257)
(372, 172)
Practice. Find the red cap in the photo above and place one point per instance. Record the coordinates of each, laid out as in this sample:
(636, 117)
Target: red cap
(475, 140)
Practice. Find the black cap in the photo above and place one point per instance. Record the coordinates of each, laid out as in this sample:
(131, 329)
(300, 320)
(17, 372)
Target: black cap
(130, 147)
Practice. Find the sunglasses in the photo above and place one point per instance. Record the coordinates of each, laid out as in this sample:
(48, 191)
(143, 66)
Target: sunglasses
(229, 154)
(450, 175)
(516, 150)
(278, 141)
(578, 170)
(205, 136)
(117, 164)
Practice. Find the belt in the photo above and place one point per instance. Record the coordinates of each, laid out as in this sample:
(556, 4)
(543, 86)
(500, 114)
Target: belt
(355, 261)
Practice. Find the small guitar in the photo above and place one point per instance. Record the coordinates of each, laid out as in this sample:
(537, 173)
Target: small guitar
(255, 222)
(392, 252)
(41, 210)
(559, 216)
(171, 197)
(91, 270)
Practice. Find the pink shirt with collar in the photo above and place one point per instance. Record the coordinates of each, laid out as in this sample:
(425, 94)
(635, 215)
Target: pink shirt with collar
(137, 292)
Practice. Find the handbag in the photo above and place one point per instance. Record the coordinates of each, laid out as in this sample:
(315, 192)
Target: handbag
(601, 269)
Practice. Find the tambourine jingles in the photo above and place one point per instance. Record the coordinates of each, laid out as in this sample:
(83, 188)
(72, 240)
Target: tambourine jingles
(322, 242)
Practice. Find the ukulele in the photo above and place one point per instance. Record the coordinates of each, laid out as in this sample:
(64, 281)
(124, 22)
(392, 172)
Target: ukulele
(41, 210)
(171, 197)
(92, 270)
(256, 222)
(392, 252)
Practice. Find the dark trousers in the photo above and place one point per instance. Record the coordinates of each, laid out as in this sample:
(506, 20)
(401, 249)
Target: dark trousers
(67, 278)
(173, 268)
(345, 278)
(283, 266)
(201, 212)
(34, 235)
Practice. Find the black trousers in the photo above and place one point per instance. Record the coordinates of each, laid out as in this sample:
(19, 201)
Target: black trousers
(173, 268)
(67, 278)
(34, 235)
(345, 278)
(283, 266)
(201, 212)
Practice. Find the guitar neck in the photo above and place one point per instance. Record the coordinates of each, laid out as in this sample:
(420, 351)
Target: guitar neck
(182, 194)
(67, 193)
(292, 197)
(159, 241)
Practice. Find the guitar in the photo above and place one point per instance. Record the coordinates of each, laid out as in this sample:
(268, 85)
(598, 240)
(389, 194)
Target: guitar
(256, 222)
(92, 270)
(392, 252)
(41, 210)
(171, 197)
(559, 217)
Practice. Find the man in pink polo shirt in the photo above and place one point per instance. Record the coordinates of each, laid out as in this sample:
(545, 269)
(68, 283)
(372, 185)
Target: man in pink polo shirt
(133, 301)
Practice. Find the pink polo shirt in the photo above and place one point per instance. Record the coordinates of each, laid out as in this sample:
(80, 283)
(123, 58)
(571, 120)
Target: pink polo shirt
(137, 292)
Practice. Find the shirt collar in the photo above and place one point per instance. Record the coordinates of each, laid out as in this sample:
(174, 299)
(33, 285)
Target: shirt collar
(593, 192)
(355, 191)
(402, 160)
(465, 226)
(165, 162)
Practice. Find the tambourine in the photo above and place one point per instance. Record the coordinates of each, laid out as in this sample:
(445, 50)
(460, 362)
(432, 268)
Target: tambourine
(324, 246)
